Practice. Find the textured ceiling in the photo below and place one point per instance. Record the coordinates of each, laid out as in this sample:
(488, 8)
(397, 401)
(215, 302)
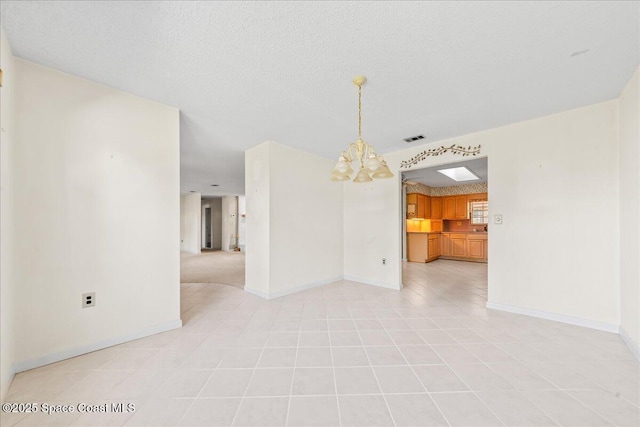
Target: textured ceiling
(245, 72)
(432, 178)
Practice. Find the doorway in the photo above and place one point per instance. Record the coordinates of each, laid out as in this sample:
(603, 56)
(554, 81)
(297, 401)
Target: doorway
(445, 216)
(207, 229)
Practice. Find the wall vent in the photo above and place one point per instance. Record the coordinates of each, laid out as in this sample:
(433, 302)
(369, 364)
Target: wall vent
(413, 138)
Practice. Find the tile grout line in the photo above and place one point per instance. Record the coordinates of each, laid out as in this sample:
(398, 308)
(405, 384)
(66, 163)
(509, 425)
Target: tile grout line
(456, 374)
(520, 392)
(374, 373)
(556, 389)
(248, 383)
(200, 392)
(333, 369)
(293, 377)
(414, 372)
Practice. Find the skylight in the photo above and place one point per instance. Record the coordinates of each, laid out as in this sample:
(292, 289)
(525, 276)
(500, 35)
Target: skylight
(459, 174)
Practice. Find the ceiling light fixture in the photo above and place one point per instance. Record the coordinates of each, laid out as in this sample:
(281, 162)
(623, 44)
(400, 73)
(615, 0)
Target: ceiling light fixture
(371, 164)
(459, 174)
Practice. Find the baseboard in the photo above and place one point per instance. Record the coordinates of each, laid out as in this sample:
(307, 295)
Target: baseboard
(277, 294)
(577, 321)
(373, 283)
(633, 346)
(6, 385)
(84, 349)
(256, 292)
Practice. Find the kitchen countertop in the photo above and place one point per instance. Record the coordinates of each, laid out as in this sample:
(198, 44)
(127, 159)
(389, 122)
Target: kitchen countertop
(467, 232)
(450, 232)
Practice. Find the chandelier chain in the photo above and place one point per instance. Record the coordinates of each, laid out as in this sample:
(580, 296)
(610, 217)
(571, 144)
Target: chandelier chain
(360, 111)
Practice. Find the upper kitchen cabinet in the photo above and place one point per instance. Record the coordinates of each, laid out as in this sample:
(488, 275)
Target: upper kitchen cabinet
(418, 206)
(436, 207)
(455, 207)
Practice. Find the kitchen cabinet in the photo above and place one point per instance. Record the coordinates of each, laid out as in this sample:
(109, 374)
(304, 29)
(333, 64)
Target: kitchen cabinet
(418, 206)
(434, 247)
(458, 245)
(477, 196)
(461, 207)
(427, 206)
(445, 244)
(412, 205)
(436, 207)
(423, 247)
(455, 207)
(464, 246)
(476, 247)
(449, 207)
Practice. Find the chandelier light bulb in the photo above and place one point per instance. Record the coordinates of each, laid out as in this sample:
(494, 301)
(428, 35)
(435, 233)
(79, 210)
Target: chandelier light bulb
(342, 166)
(372, 162)
(362, 176)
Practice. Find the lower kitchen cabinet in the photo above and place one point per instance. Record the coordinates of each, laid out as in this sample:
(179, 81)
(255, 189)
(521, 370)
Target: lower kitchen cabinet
(445, 244)
(434, 247)
(464, 246)
(423, 247)
(476, 248)
(458, 245)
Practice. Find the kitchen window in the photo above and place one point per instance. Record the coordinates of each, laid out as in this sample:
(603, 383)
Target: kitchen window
(479, 212)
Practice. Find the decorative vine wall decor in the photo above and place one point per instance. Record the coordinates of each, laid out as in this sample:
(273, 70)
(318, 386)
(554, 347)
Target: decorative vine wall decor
(454, 149)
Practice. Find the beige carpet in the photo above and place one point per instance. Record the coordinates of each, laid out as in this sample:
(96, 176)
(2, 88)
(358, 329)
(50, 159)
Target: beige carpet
(226, 268)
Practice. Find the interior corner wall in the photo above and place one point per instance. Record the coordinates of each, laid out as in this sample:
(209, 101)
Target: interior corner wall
(306, 208)
(555, 181)
(257, 193)
(630, 212)
(372, 231)
(190, 223)
(294, 221)
(7, 282)
(97, 178)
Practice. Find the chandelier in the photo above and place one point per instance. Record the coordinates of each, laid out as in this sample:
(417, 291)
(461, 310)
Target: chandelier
(371, 164)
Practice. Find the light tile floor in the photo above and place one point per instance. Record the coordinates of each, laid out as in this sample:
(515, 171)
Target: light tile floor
(352, 355)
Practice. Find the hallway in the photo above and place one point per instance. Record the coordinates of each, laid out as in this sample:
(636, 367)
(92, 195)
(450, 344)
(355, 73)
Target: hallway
(349, 354)
(226, 268)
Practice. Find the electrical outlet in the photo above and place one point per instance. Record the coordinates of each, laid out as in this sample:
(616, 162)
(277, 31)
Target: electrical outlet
(384, 261)
(88, 300)
(497, 219)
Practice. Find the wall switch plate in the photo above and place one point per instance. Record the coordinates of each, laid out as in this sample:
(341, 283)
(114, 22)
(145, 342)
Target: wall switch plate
(497, 219)
(88, 300)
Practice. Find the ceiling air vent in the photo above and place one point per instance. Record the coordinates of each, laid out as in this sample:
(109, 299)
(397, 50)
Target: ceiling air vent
(413, 138)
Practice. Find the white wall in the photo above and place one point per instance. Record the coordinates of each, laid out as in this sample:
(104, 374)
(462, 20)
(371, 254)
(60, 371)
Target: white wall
(257, 192)
(373, 229)
(630, 212)
(294, 220)
(7, 282)
(555, 180)
(96, 210)
(229, 222)
(190, 223)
